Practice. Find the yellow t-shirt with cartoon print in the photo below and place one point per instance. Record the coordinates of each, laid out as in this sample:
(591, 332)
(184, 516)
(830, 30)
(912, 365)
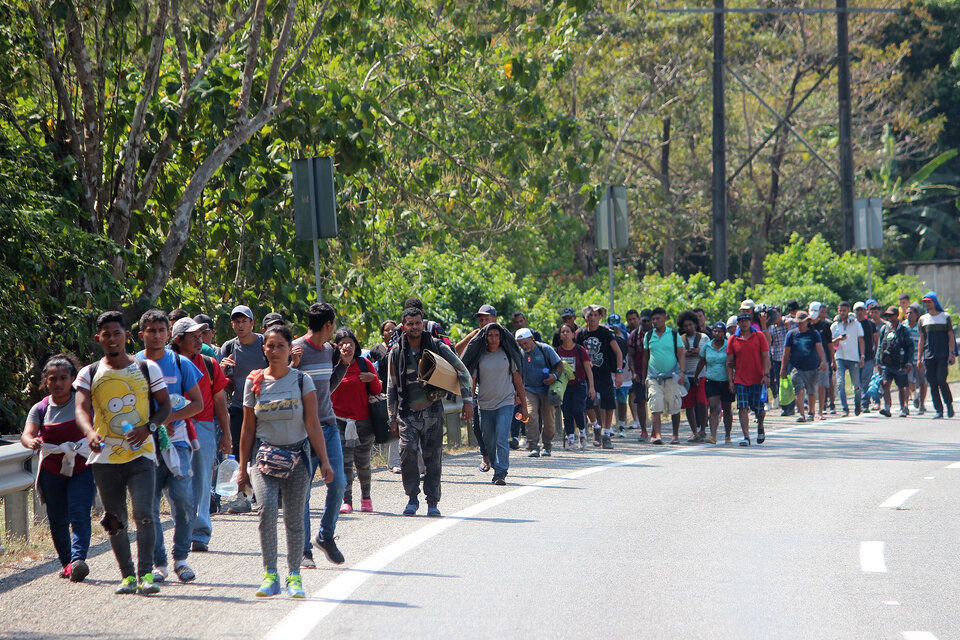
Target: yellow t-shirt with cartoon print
(118, 396)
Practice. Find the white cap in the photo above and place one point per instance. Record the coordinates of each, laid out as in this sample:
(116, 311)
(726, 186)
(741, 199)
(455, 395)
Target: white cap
(859, 305)
(732, 321)
(814, 308)
(748, 304)
(523, 333)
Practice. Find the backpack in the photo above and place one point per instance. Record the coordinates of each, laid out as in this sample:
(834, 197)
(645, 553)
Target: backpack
(892, 349)
(144, 371)
(646, 338)
(257, 376)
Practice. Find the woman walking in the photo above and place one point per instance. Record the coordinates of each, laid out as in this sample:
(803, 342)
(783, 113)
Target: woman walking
(352, 408)
(64, 480)
(280, 410)
(379, 356)
(713, 364)
(580, 388)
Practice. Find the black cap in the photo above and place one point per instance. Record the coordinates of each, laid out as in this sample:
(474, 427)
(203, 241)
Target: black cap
(202, 318)
(272, 319)
(486, 310)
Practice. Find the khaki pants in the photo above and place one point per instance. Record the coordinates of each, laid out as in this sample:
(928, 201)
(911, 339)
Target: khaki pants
(539, 408)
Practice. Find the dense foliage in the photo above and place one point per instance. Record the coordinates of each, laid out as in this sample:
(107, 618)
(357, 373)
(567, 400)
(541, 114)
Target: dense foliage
(145, 152)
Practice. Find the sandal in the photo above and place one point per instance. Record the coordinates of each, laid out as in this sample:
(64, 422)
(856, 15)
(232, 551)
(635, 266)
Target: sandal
(674, 441)
(484, 466)
(657, 441)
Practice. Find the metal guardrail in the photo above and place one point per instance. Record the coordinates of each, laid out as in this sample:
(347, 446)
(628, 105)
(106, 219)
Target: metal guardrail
(16, 480)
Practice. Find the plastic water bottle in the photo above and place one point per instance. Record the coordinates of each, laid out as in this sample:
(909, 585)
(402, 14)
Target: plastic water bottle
(227, 477)
(127, 428)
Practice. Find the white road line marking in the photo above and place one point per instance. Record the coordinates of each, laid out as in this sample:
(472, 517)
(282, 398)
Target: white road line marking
(300, 622)
(871, 557)
(929, 477)
(896, 500)
(892, 603)
(918, 635)
(955, 465)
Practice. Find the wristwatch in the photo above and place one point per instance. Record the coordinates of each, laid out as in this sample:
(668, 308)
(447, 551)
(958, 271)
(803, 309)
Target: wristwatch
(619, 370)
(152, 427)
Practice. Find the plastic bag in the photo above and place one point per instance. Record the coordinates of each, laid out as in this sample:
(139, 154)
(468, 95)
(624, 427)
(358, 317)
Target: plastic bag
(786, 391)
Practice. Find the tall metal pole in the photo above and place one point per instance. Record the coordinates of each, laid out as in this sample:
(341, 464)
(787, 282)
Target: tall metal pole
(846, 145)
(311, 164)
(610, 241)
(719, 149)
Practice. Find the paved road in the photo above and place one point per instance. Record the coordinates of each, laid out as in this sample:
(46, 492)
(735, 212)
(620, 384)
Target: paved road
(783, 540)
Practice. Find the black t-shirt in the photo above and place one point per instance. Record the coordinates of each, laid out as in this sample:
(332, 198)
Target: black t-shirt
(868, 330)
(826, 336)
(597, 344)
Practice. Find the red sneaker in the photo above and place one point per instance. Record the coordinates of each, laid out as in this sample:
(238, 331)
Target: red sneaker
(366, 505)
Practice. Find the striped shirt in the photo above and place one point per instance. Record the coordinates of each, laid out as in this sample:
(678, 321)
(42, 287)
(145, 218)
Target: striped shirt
(317, 362)
(936, 328)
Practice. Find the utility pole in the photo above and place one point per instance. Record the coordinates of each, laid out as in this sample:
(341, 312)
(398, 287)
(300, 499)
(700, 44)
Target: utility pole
(719, 149)
(846, 145)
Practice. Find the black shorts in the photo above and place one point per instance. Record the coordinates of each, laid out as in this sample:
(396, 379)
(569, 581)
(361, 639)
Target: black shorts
(639, 392)
(716, 388)
(894, 375)
(606, 396)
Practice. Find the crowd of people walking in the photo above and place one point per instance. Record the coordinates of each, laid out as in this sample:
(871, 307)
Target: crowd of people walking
(157, 422)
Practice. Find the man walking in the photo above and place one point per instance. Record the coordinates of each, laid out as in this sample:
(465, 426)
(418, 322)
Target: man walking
(607, 362)
(663, 361)
(803, 352)
(519, 321)
(186, 339)
(847, 336)
(174, 466)
(748, 369)
(117, 390)
(239, 356)
(937, 349)
(416, 411)
(321, 361)
(918, 378)
(541, 368)
(894, 359)
(635, 357)
(568, 317)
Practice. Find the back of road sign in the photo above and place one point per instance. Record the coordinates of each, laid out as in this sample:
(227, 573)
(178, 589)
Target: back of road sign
(314, 198)
(868, 223)
(614, 201)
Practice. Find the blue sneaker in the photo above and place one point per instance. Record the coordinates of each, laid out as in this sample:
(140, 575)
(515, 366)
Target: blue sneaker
(295, 586)
(270, 585)
(433, 511)
(411, 508)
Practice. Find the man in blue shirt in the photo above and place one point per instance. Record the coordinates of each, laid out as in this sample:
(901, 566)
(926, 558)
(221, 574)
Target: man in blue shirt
(174, 465)
(541, 367)
(803, 351)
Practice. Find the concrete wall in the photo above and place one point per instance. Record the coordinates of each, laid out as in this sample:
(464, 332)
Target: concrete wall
(943, 276)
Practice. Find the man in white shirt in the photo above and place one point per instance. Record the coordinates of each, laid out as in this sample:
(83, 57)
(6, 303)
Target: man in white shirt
(848, 340)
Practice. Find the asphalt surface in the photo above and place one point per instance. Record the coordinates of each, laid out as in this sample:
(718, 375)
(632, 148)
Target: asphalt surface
(693, 541)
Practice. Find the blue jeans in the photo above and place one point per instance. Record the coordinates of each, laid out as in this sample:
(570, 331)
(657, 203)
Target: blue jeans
(68, 506)
(331, 508)
(203, 459)
(866, 372)
(853, 367)
(495, 426)
(180, 491)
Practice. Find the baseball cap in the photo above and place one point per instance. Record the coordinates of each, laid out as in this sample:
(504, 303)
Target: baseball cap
(271, 319)
(859, 305)
(718, 325)
(731, 321)
(614, 319)
(485, 310)
(892, 311)
(744, 316)
(567, 312)
(185, 325)
(916, 308)
(814, 307)
(871, 303)
(202, 318)
(241, 310)
(802, 315)
(748, 304)
(523, 334)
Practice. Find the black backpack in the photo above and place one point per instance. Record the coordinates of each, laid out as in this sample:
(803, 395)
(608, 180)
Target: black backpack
(892, 347)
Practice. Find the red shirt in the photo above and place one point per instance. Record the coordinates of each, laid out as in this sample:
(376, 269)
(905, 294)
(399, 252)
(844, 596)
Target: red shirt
(578, 356)
(350, 396)
(748, 354)
(206, 391)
